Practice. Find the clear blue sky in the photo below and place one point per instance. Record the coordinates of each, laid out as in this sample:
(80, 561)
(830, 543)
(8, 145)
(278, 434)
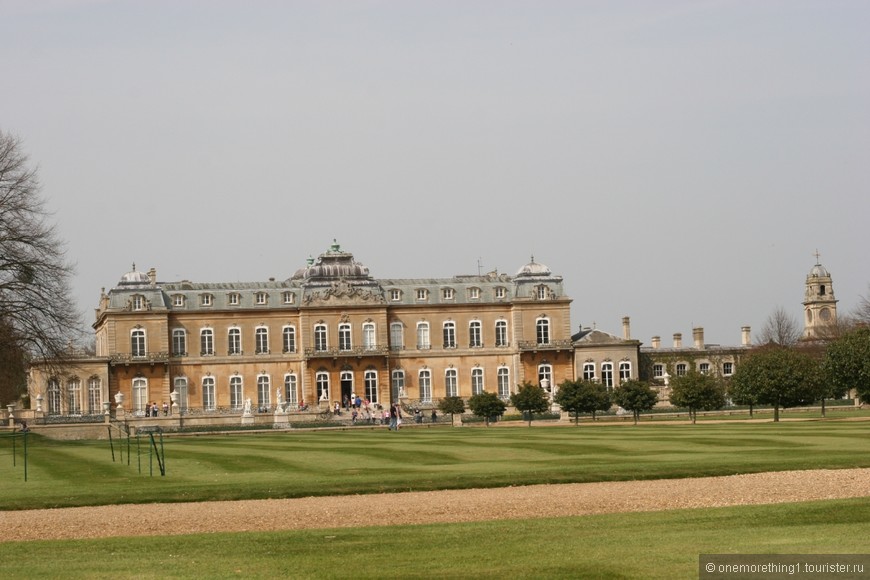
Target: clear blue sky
(678, 162)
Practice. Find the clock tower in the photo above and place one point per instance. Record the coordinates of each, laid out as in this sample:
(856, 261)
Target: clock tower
(820, 306)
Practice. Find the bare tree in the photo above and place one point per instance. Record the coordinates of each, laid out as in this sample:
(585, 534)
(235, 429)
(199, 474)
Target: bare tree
(780, 328)
(35, 300)
(861, 314)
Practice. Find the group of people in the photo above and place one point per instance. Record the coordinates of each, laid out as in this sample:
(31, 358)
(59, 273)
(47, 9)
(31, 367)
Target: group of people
(153, 410)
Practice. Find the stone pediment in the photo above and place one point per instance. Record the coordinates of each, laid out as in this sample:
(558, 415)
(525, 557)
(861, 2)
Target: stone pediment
(342, 292)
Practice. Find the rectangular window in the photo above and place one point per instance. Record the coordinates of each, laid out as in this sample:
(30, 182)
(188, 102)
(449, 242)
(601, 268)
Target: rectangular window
(681, 369)
(728, 369)
(137, 343)
(704, 368)
(234, 341)
(138, 303)
(447, 293)
(289, 338)
(475, 334)
(422, 294)
(474, 293)
(289, 298)
(451, 383)
(501, 333)
(140, 396)
(178, 300)
(658, 370)
(395, 295)
(234, 299)
(500, 293)
(542, 328)
(74, 397)
(262, 298)
(206, 299)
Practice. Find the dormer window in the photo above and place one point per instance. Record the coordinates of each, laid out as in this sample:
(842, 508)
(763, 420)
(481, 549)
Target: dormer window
(289, 298)
(474, 293)
(206, 299)
(500, 293)
(178, 300)
(395, 294)
(447, 293)
(234, 299)
(422, 294)
(543, 292)
(138, 302)
(262, 298)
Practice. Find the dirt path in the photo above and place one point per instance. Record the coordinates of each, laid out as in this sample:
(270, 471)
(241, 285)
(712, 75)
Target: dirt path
(436, 506)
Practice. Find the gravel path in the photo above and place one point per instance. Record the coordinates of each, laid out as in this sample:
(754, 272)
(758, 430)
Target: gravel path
(435, 506)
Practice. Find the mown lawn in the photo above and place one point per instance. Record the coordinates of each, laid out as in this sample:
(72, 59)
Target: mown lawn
(302, 463)
(639, 545)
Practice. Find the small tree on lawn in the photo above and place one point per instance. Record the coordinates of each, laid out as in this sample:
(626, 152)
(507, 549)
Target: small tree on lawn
(583, 397)
(530, 399)
(780, 377)
(635, 396)
(847, 363)
(697, 391)
(742, 393)
(486, 405)
(451, 405)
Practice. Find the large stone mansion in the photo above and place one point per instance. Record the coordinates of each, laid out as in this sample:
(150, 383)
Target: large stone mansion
(331, 331)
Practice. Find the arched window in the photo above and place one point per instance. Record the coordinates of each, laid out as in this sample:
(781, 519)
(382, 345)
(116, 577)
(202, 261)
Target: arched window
(180, 389)
(344, 337)
(237, 400)
(137, 343)
(476, 381)
(264, 392)
(504, 383)
(370, 341)
(206, 342)
(588, 371)
(624, 371)
(545, 372)
(423, 336)
(288, 338)
(261, 336)
(607, 374)
(449, 334)
(397, 384)
(140, 395)
(74, 396)
(234, 341)
(53, 395)
(321, 380)
(425, 380)
(475, 334)
(179, 342)
(451, 383)
(291, 393)
(371, 385)
(208, 394)
(95, 395)
(501, 333)
(397, 336)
